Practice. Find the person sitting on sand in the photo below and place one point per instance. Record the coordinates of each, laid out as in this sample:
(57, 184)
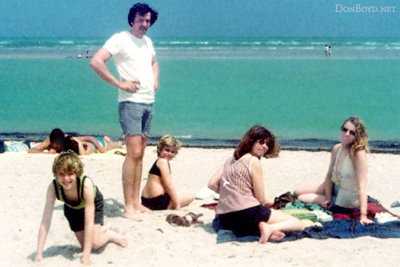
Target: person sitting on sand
(241, 206)
(83, 207)
(85, 145)
(345, 186)
(55, 143)
(159, 193)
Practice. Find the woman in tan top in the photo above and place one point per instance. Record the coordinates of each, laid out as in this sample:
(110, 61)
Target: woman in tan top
(345, 184)
(239, 182)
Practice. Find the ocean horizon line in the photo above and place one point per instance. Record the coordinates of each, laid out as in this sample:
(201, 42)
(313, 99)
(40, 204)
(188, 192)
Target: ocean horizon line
(203, 36)
(213, 47)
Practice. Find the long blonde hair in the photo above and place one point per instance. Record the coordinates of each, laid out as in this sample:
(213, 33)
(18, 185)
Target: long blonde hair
(361, 135)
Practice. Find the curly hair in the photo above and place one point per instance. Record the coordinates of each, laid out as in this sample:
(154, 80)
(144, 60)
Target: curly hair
(253, 135)
(141, 9)
(168, 140)
(68, 162)
(361, 135)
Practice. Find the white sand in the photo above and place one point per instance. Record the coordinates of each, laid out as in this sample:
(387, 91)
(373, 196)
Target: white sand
(154, 242)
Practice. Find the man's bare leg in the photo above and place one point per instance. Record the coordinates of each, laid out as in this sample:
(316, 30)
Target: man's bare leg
(132, 176)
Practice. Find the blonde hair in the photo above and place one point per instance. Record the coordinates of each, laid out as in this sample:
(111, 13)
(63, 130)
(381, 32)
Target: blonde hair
(361, 135)
(68, 162)
(168, 140)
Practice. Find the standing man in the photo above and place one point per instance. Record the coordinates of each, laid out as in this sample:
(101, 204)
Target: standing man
(137, 66)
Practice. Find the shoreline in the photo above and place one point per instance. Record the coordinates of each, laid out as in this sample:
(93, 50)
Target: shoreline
(307, 144)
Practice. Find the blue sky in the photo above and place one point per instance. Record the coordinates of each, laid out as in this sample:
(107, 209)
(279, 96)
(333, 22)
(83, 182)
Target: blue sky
(204, 18)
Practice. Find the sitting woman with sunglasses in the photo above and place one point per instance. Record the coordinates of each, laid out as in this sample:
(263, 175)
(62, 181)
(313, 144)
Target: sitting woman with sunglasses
(345, 185)
(239, 182)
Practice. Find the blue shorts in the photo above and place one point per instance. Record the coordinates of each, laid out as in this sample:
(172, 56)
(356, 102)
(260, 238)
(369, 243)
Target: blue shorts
(135, 118)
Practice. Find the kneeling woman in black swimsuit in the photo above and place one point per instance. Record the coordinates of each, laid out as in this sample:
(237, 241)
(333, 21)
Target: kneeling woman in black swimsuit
(159, 193)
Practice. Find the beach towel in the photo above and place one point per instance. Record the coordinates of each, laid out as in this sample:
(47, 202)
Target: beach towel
(344, 229)
(342, 226)
(211, 206)
(337, 228)
(16, 146)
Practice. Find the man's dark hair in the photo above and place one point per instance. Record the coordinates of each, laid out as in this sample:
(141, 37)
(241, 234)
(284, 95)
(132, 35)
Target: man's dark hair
(141, 9)
(56, 135)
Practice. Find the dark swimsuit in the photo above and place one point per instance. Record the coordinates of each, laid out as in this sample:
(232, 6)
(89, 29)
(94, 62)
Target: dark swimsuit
(75, 211)
(160, 202)
(245, 222)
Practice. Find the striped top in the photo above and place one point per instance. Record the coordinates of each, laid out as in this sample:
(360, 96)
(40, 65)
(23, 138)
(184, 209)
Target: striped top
(236, 186)
(80, 204)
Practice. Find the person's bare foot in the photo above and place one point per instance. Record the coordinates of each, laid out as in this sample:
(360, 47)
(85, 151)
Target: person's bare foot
(277, 236)
(132, 216)
(265, 231)
(120, 240)
(107, 139)
(115, 237)
(142, 208)
(268, 233)
(110, 144)
(105, 228)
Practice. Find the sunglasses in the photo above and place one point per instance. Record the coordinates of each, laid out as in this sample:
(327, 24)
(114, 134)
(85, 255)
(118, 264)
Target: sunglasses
(263, 141)
(345, 130)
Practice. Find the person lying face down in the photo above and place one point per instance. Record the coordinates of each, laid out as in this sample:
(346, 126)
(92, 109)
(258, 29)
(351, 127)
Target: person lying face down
(55, 143)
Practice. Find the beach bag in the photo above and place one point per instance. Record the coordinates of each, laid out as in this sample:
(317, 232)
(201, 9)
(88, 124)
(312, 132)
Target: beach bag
(282, 200)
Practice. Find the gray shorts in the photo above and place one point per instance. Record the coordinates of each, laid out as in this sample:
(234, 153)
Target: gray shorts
(135, 118)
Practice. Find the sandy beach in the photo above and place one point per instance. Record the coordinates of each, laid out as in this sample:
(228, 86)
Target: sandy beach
(154, 242)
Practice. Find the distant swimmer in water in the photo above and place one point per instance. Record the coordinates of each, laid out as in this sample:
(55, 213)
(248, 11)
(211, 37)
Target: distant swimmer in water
(328, 50)
(88, 54)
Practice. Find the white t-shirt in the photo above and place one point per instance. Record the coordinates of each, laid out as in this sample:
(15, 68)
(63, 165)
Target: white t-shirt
(133, 60)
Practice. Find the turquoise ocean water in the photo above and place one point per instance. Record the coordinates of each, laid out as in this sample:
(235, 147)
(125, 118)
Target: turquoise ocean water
(211, 90)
